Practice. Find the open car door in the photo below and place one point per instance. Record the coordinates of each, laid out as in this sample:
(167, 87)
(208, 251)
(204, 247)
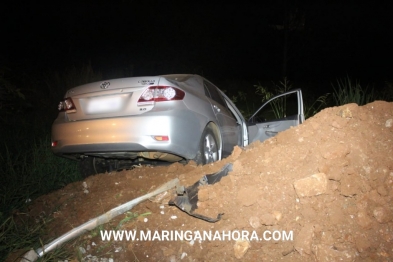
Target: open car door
(275, 115)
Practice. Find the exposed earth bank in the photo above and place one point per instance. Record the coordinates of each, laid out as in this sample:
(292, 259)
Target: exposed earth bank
(328, 181)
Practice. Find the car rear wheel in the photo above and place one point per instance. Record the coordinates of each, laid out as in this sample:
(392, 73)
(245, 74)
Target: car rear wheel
(208, 148)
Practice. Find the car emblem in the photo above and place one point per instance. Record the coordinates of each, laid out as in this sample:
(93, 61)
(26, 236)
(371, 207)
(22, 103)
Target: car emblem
(105, 85)
(146, 82)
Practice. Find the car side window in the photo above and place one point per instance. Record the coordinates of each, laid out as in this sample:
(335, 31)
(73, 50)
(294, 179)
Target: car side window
(213, 93)
(279, 109)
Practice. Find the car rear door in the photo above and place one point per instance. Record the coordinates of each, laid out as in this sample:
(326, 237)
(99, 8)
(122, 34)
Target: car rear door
(277, 114)
(240, 121)
(228, 124)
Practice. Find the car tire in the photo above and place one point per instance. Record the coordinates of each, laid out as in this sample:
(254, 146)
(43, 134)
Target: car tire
(208, 148)
(92, 166)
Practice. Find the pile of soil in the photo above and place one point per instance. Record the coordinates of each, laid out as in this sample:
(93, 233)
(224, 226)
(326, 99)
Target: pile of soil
(324, 187)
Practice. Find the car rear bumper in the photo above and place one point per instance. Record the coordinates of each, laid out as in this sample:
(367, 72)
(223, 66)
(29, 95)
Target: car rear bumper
(129, 134)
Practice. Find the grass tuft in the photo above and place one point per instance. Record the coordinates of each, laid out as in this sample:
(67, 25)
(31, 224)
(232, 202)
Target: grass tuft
(346, 91)
(26, 175)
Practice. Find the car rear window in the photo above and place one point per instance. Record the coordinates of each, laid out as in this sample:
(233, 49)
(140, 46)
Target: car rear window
(212, 92)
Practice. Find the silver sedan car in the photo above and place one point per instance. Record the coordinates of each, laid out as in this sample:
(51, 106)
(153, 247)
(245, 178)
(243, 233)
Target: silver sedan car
(119, 123)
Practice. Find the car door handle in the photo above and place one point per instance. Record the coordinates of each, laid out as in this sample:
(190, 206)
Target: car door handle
(270, 133)
(271, 125)
(216, 108)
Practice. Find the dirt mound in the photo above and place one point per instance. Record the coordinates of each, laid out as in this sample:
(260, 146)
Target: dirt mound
(319, 191)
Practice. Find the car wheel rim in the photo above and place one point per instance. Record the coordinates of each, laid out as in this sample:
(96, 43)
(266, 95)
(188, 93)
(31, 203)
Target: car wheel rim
(210, 149)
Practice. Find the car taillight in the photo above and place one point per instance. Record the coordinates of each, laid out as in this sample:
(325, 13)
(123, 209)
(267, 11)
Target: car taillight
(159, 94)
(66, 105)
(161, 138)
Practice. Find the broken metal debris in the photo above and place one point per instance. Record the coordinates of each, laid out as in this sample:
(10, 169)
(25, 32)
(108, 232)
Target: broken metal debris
(187, 198)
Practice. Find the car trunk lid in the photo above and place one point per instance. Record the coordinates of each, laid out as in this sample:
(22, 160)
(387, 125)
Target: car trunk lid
(111, 98)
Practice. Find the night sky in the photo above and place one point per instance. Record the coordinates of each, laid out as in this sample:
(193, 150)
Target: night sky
(316, 39)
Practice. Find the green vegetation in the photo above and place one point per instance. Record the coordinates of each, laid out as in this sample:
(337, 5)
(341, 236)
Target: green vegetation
(387, 92)
(130, 216)
(243, 103)
(314, 105)
(345, 92)
(279, 106)
(248, 103)
(29, 168)
(20, 234)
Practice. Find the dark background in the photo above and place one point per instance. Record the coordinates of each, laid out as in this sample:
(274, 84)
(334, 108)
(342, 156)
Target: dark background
(303, 40)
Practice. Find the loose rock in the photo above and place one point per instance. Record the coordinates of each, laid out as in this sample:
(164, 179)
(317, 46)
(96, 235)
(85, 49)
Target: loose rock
(311, 186)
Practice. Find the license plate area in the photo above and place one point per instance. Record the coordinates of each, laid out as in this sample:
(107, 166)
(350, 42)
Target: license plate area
(104, 104)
